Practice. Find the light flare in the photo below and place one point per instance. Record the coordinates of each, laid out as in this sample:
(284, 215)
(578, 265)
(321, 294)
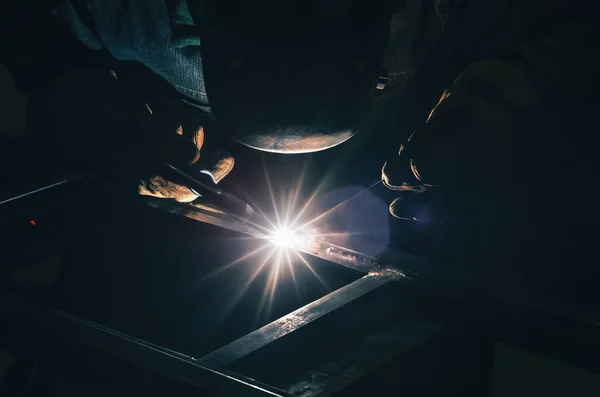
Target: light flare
(288, 238)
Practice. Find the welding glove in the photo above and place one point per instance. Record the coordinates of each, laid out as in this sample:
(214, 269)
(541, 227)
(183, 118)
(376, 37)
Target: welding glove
(456, 167)
(126, 125)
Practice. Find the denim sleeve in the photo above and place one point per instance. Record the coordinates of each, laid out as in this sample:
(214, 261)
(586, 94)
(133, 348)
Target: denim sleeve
(68, 14)
(140, 30)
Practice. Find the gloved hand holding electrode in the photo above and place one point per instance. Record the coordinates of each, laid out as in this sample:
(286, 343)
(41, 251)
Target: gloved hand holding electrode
(139, 137)
(457, 166)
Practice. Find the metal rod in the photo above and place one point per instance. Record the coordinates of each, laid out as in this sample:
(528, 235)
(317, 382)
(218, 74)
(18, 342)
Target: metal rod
(32, 192)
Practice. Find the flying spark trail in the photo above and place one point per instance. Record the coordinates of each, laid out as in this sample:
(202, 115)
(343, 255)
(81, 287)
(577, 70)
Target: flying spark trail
(308, 202)
(324, 214)
(292, 273)
(242, 291)
(271, 193)
(238, 260)
(294, 196)
(311, 269)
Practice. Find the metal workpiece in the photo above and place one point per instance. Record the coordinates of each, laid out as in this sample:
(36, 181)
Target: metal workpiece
(331, 342)
(391, 264)
(74, 330)
(356, 260)
(394, 264)
(293, 321)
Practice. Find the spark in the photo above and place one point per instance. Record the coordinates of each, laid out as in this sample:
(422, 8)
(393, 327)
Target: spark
(238, 260)
(293, 196)
(324, 214)
(270, 288)
(292, 273)
(271, 193)
(307, 205)
(285, 237)
(286, 241)
(274, 279)
(312, 270)
(242, 291)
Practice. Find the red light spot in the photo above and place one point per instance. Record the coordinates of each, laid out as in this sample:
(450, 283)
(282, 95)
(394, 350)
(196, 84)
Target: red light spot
(32, 222)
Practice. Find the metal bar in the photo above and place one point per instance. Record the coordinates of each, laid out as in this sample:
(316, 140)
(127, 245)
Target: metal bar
(131, 349)
(401, 266)
(41, 189)
(364, 263)
(451, 281)
(292, 321)
(208, 215)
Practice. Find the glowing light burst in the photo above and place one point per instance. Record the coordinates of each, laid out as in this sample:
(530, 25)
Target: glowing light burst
(287, 238)
(284, 238)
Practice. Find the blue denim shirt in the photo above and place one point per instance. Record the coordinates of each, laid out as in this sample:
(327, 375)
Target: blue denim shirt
(140, 30)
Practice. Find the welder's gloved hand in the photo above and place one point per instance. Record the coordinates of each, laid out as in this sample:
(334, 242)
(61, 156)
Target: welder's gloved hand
(458, 165)
(221, 164)
(127, 124)
(180, 137)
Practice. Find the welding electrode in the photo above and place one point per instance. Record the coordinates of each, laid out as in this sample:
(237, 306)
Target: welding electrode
(202, 183)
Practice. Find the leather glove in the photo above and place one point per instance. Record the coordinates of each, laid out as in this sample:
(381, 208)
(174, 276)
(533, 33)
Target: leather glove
(127, 125)
(156, 185)
(458, 165)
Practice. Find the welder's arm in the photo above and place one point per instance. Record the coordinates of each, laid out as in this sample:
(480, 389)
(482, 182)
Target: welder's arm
(499, 112)
(105, 126)
(83, 110)
(473, 117)
(466, 145)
